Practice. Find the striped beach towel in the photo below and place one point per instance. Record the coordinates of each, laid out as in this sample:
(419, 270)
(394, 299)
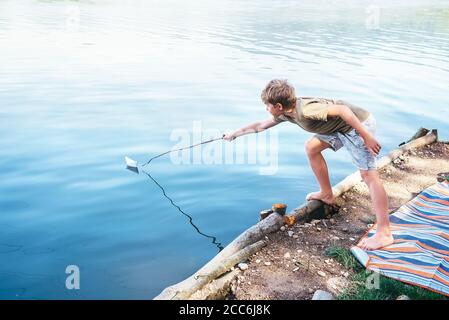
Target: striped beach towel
(420, 252)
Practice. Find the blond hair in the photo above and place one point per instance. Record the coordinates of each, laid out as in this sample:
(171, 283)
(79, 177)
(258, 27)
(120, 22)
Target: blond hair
(279, 91)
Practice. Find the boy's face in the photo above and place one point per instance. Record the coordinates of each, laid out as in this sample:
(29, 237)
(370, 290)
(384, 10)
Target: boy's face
(275, 110)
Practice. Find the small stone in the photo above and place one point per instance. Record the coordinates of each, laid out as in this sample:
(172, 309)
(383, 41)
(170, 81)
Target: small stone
(352, 239)
(314, 222)
(403, 297)
(296, 269)
(346, 274)
(322, 295)
(299, 251)
(307, 225)
(324, 223)
(345, 229)
(318, 229)
(311, 290)
(282, 228)
(295, 236)
(290, 233)
(267, 263)
(242, 266)
(287, 255)
(249, 283)
(345, 209)
(258, 261)
(332, 221)
(337, 284)
(321, 273)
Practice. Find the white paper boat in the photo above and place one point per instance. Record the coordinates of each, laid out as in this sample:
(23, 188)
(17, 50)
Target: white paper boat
(130, 162)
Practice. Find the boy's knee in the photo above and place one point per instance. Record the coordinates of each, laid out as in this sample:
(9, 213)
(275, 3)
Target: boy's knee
(311, 147)
(367, 175)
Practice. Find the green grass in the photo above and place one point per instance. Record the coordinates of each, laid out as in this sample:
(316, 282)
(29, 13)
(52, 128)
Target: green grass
(389, 289)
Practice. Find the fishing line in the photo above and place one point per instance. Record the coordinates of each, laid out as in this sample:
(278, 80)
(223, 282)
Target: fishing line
(214, 239)
(133, 166)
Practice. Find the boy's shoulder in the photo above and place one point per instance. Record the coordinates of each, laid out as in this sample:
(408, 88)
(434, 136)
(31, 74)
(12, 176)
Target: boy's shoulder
(311, 100)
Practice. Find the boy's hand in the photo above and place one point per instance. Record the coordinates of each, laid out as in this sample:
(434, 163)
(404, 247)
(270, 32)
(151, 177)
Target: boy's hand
(372, 144)
(229, 137)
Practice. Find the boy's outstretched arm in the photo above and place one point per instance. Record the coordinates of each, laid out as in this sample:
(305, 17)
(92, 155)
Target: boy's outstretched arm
(252, 128)
(349, 117)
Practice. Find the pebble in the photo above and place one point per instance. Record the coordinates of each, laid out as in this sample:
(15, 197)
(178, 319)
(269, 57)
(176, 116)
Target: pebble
(295, 236)
(258, 261)
(332, 221)
(282, 228)
(299, 251)
(287, 255)
(290, 233)
(267, 263)
(352, 239)
(296, 269)
(242, 266)
(322, 295)
(318, 229)
(346, 274)
(321, 273)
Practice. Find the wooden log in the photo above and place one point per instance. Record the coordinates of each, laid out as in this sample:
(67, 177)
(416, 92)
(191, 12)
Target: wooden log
(421, 132)
(218, 289)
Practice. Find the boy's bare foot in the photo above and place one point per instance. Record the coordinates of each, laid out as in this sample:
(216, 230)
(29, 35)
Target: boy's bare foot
(377, 241)
(325, 197)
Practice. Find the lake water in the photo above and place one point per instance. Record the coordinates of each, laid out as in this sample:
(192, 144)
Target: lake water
(84, 83)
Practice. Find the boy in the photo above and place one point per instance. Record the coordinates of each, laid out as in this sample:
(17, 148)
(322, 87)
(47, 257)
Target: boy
(335, 124)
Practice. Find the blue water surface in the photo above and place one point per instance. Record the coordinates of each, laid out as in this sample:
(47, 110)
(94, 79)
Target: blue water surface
(84, 83)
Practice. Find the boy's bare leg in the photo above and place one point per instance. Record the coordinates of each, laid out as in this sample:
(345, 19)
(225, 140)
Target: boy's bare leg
(314, 147)
(383, 236)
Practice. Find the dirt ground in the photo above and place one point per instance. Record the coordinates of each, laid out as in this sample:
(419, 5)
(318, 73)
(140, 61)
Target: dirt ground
(293, 265)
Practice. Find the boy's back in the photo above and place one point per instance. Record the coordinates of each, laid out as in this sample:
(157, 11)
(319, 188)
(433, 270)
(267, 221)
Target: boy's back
(312, 115)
